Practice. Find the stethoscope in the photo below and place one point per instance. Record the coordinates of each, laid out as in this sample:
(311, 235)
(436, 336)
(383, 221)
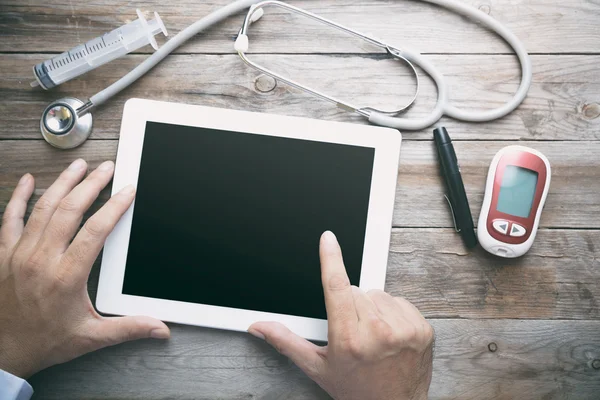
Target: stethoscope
(67, 123)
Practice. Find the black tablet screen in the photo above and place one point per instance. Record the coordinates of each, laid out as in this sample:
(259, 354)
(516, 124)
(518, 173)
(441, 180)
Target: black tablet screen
(234, 219)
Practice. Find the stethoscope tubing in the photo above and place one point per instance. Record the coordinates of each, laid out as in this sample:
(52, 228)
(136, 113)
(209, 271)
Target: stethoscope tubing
(179, 39)
(443, 106)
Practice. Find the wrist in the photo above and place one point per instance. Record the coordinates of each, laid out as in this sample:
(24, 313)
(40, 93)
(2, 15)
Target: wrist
(14, 361)
(14, 368)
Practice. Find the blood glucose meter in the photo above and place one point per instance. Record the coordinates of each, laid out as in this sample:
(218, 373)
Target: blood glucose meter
(515, 193)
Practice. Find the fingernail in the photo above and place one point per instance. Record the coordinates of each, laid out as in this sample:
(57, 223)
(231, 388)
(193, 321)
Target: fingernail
(160, 333)
(329, 238)
(106, 166)
(256, 333)
(24, 179)
(77, 165)
(128, 190)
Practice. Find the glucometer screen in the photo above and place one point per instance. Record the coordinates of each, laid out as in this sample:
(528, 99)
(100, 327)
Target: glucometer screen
(234, 219)
(517, 191)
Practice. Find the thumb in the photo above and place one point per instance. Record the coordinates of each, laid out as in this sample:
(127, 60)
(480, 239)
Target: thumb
(309, 357)
(115, 330)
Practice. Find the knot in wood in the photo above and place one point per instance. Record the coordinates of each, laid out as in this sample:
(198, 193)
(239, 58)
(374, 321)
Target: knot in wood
(264, 83)
(596, 364)
(486, 8)
(591, 111)
(492, 347)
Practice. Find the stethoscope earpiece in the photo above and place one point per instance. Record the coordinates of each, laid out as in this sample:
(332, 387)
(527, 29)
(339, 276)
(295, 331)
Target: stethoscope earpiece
(63, 124)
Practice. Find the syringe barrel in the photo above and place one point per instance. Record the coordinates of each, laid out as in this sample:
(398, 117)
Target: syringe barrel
(98, 51)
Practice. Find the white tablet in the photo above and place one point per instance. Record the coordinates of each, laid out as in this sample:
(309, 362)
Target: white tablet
(230, 207)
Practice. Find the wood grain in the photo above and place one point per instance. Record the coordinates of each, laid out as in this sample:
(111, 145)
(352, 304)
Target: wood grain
(539, 314)
(533, 359)
(558, 279)
(545, 26)
(573, 201)
(563, 103)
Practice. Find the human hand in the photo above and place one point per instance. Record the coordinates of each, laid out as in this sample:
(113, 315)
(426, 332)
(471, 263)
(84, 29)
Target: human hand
(379, 347)
(46, 316)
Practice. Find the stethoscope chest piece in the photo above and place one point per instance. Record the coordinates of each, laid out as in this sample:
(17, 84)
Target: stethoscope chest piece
(62, 127)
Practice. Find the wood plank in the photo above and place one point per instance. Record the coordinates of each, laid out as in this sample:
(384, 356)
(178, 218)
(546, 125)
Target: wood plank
(533, 359)
(562, 105)
(573, 196)
(545, 26)
(573, 201)
(558, 279)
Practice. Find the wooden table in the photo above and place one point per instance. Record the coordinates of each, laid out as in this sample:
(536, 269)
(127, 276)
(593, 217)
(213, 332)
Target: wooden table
(526, 328)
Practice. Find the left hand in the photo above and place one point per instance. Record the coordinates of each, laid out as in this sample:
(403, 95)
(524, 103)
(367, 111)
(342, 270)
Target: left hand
(46, 316)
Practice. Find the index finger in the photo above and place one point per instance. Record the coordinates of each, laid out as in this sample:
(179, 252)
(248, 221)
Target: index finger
(339, 301)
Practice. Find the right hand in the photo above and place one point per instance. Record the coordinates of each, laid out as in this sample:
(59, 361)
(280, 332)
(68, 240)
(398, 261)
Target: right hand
(380, 347)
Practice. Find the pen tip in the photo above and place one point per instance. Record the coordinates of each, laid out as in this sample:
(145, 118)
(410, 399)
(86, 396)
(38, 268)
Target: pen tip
(441, 135)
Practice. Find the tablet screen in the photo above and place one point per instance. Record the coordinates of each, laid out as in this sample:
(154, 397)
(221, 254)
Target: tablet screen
(234, 219)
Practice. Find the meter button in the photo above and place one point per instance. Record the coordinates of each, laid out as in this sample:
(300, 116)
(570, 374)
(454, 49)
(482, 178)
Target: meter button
(501, 226)
(517, 231)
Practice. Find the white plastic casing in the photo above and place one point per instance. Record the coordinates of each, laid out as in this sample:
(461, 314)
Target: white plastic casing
(491, 244)
(385, 142)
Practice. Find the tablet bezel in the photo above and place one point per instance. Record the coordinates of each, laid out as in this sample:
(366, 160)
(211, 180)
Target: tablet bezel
(137, 112)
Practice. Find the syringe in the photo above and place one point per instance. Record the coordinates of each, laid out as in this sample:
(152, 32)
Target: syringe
(98, 51)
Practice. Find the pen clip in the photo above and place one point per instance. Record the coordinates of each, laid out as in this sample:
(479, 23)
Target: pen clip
(456, 228)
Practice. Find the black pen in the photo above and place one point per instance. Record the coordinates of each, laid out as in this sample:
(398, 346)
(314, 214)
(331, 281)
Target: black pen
(457, 197)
